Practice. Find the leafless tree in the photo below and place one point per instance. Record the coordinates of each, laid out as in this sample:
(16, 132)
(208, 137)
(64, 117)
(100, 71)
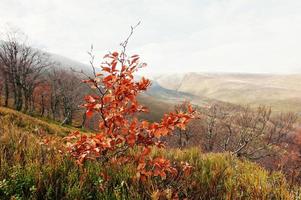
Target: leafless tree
(22, 68)
(34, 65)
(9, 59)
(241, 130)
(213, 115)
(53, 80)
(71, 92)
(249, 133)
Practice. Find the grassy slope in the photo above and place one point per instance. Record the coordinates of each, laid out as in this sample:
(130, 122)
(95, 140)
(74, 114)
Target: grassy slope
(33, 124)
(29, 170)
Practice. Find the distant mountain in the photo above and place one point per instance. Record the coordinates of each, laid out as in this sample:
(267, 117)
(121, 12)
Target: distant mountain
(155, 90)
(282, 92)
(159, 99)
(160, 92)
(67, 63)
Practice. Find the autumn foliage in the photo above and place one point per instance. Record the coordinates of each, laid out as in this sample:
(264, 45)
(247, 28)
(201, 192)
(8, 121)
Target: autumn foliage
(120, 131)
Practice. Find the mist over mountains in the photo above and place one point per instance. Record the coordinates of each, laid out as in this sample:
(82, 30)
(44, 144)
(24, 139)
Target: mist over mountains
(280, 91)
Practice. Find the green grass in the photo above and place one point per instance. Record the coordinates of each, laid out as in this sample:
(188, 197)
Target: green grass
(33, 124)
(31, 170)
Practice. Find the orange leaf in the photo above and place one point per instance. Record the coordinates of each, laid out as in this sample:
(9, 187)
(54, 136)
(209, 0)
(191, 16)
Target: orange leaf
(134, 60)
(161, 132)
(106, 99)
(146, 151)
(90, 99)
(134, 56)
(89, 113)
(131, 139)
(114, 63)
(115, 54)
(190, 109)
(145, 124)
(107, 69)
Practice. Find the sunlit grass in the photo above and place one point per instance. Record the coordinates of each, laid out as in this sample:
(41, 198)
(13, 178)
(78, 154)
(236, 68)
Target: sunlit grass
(31, 170)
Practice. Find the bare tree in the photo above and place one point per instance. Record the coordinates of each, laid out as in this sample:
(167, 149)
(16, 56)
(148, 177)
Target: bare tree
(53, 80)
(9, 56)
(211, 123)
(22, 68)
(34, 65)
(3, 87)
(241, 130)
(71, 92)
(255, 134)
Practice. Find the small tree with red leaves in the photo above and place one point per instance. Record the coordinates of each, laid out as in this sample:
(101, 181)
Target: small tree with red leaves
(120, 130)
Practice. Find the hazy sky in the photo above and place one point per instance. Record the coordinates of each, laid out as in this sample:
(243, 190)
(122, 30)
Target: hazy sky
(175, 35)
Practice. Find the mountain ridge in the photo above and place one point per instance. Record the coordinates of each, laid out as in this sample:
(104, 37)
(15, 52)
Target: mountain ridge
(240, 88)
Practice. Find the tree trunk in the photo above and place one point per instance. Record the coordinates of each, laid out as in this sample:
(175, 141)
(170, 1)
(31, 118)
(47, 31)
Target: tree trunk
(19, 100)
(68, 119)
(42, 105)
(26, 101)
(54, 108)
(6, 92)
(84, 120)
(31, 104)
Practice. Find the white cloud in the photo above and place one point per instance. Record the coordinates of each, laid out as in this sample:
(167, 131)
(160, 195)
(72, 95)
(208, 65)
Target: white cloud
(175, 35)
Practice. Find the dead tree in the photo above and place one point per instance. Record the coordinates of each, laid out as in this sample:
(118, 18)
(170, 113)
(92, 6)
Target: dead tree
(71, 92)
(54, 96)
(9, 57)
(34, 65)
(22, 68)
(245, 132)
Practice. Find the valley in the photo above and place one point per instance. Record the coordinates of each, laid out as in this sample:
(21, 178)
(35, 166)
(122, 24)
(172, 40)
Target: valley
(281, 92)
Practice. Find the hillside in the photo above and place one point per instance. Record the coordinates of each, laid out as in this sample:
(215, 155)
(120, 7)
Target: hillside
(67, 63)
(32, 124)
(32, 169)
(282, 92)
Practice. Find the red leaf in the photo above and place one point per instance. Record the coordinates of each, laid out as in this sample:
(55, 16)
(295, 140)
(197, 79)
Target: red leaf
(145, 124)
(134, 60)
(131, 139)
(107, 69)
(108, 78)
(106, 99)
(190, 109)
(115, 54)
(161, 132)
(114, 64)
(89, 113)
(134, 56)
(90, 99)
(146, 151)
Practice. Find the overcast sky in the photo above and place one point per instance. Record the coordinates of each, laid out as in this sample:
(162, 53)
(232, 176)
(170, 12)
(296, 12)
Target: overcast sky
(175, 35)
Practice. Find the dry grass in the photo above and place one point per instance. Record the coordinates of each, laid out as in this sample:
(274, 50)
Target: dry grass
(32, 124)
(31, 170)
